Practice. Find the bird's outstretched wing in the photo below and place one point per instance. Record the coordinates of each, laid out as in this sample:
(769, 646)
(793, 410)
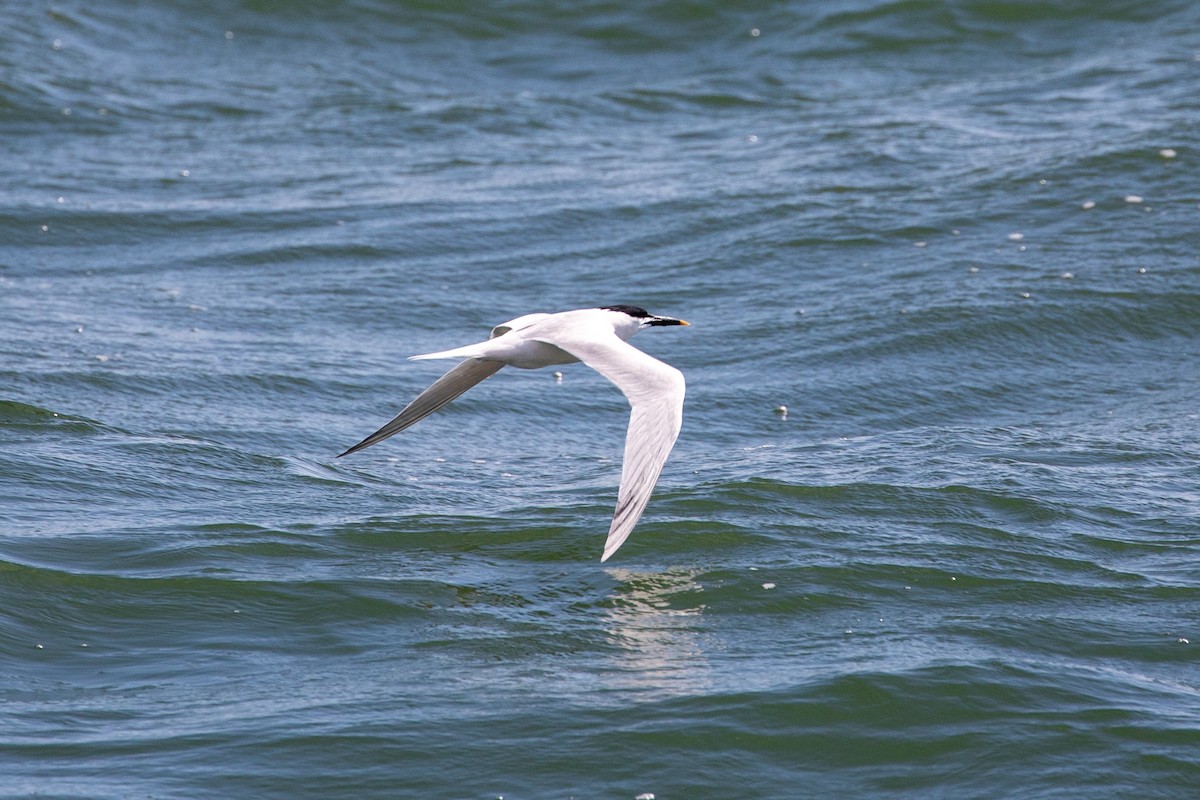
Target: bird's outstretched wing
(655, 392)
(442, 391)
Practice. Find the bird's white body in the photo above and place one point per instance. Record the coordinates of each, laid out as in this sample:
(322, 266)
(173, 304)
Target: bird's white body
(598, 337)
(528, 342)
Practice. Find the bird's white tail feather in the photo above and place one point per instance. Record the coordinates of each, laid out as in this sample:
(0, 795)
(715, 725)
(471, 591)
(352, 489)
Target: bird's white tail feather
(470, 351)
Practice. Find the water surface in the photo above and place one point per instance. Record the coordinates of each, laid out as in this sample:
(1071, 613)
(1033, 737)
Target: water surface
(957, 240)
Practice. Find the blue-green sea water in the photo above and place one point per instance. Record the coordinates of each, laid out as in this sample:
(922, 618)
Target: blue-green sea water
(957, 239)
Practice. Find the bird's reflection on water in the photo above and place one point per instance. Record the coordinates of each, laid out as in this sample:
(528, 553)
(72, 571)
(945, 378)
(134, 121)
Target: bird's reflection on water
(656, 621)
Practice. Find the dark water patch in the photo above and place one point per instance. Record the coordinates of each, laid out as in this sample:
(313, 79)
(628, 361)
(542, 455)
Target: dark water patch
(116, 616)
(1017, 11)
(966, 503)
(1155, 641)
(944, 713)
(663, 101)
(498, 538)
(16, 416)
(896, 26)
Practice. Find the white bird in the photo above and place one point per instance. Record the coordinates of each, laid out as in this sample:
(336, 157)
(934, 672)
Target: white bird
(597, 337)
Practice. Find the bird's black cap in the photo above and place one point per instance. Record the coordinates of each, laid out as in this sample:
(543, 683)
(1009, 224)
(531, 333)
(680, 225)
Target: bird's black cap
(633, 311)
(638, 312)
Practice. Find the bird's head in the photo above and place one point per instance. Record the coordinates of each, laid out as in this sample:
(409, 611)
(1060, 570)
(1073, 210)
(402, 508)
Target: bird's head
(634, 318)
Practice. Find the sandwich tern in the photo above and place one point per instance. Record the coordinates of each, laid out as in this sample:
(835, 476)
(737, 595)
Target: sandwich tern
(599, 338)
